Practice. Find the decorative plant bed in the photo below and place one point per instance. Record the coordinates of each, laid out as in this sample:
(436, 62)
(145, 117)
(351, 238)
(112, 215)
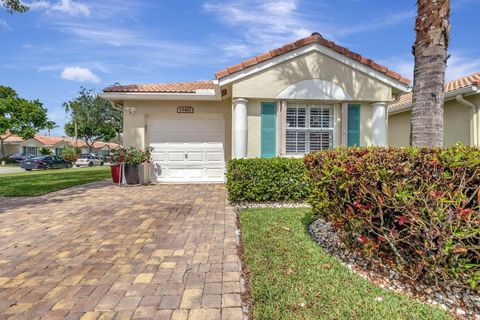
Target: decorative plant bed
(463, 302)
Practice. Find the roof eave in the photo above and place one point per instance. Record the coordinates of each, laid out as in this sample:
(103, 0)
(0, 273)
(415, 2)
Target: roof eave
(199, 94)
(451, 95)
(309, 48)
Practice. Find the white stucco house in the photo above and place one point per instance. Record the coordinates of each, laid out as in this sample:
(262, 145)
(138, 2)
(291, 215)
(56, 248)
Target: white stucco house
(304, 96)
(14, 144)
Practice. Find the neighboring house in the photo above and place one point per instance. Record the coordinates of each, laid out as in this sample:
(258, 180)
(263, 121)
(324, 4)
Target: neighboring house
(15, 144)
(305, 96)
(33, 146)
(461, 114)
(11, 145)
(100, 148)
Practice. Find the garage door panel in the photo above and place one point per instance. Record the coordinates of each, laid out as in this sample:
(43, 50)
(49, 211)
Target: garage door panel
(196, 156)
(159, 156)
(214, 156)
(214, 173)
(182, 172)
(176, 156)
(188, 150)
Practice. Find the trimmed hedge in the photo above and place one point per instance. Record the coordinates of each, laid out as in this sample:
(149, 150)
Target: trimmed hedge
(416, 209)
(263, 180)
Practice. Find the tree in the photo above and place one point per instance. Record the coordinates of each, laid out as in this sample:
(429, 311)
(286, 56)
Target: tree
(50, 125)
(71, 153)
(45, 151)
(19, 116)
(430, 51)
(14, 6)
(91, 118)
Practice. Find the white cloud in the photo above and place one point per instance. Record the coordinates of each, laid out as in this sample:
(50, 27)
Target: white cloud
(4, 25)
(263, 24)
(79, 74)
(402, 64)
(63, 6)
(379, 23)
(459, 65)
(238, 50)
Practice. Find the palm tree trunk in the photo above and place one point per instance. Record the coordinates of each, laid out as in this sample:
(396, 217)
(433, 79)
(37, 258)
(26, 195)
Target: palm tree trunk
(430, 50)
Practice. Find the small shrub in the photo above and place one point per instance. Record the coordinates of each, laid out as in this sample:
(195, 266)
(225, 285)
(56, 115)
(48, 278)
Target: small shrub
(45, 151)
(416, 209)
(261, 180)
(71, 153)
(7, 160)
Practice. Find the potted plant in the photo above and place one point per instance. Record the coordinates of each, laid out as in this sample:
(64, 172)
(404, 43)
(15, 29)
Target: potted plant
(116, 158)
(134, 159)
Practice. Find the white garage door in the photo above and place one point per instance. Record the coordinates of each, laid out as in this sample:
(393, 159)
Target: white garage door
(188, 148)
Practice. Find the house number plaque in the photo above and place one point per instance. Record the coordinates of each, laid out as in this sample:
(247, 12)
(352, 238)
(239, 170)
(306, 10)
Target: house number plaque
(185, 109)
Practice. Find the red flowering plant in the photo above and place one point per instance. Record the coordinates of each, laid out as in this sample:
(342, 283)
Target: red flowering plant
(417, 209)
(137, 156)
(117, 155)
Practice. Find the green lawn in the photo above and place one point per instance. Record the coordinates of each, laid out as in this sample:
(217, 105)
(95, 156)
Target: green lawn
(36, 183)
(287, 268)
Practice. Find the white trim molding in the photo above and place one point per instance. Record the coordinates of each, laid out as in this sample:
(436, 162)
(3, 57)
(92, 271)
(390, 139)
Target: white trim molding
(318, 48)
(314, 89)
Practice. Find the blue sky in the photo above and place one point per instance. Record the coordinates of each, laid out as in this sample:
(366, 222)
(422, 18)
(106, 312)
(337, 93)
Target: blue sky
(60, 45)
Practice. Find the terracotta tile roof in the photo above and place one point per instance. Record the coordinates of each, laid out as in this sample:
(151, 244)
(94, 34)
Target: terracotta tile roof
(11, 139)
(110, 145)
(405, 100)
(96, 145)
(470, 80)
(178, 87)
(314, 38)
(48, 140)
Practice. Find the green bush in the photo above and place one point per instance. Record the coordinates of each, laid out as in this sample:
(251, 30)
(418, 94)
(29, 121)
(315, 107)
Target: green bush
(71, 153)
(7, 160)
(45, 151)
(416, 209)
(262, 180)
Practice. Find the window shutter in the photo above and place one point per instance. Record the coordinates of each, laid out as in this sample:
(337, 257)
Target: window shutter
(353, 131)
(268, 129)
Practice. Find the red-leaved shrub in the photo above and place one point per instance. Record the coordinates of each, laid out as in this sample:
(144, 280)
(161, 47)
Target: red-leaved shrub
(416, 209)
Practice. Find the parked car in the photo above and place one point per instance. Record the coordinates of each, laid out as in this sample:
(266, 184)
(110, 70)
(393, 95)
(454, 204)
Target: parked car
(19, 157)
(45, 162)
(88, 160)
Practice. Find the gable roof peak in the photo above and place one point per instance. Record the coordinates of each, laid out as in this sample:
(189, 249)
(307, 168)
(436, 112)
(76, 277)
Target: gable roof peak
(314, 38)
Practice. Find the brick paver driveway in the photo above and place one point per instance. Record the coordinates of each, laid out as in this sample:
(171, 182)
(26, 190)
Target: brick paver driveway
(109, 252)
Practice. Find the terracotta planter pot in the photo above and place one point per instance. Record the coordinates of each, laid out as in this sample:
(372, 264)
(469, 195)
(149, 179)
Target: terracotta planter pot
(115, 170)
(132, 173)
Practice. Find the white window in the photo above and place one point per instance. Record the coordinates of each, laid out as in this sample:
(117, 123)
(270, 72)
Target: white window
(31, 151)
(309, 128)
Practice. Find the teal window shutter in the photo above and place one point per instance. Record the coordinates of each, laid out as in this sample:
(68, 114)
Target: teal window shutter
(268, 130)
(353, 130)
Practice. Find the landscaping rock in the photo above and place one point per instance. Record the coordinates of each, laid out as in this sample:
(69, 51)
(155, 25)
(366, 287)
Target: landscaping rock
(464, 303)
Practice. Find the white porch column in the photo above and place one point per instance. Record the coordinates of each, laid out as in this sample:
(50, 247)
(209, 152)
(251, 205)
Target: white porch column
(240, 128)
(379, 124)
